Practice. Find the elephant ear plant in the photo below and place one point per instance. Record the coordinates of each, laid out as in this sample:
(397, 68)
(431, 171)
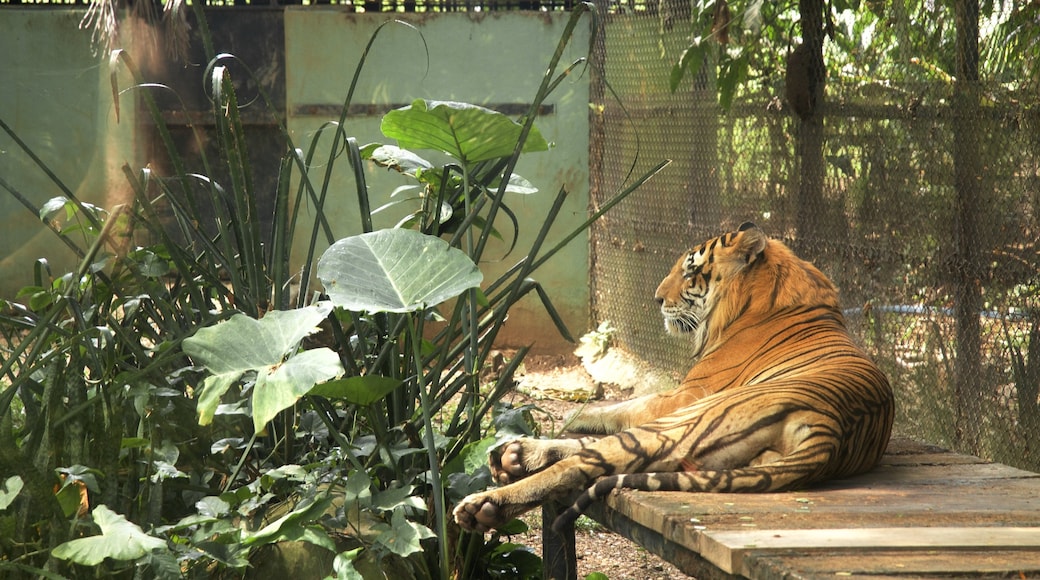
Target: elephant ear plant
(408, 412)
(402, 274)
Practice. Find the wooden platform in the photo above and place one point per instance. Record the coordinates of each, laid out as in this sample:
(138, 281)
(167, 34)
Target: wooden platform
(924, 512)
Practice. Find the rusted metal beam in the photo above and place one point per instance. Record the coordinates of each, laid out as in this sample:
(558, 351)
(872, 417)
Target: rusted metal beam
(559, 557)
(376, 110)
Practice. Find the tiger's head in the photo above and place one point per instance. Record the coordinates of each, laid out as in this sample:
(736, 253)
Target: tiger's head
(738, 273)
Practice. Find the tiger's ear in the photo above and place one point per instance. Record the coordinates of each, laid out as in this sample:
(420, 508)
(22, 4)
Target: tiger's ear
(752, 242)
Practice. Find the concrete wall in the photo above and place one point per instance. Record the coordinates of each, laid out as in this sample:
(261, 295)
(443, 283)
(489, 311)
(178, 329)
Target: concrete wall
(56, 95)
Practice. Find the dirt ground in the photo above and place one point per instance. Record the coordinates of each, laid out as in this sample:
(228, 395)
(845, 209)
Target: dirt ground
(598, 549)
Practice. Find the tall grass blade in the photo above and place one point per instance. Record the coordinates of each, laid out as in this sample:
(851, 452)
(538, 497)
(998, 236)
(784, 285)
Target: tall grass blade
(282, 229)
(360, 184)
(244, 220)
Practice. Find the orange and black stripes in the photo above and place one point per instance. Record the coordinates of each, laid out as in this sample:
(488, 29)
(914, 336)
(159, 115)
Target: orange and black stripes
(779, 395)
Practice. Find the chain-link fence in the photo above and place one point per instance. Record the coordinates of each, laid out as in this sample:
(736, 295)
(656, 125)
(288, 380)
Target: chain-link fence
(919, 200)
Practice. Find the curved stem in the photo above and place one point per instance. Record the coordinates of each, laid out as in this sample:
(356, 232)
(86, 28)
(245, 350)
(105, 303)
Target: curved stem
(431, 446)
(471, 327)
(241, 461)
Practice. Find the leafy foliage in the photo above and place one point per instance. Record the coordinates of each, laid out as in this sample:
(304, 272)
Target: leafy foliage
(119, 540)
(206, 411)
(742, 45)
(264, 348)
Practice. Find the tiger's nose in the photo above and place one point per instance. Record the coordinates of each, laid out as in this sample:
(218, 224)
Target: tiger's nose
(660, 292)
(659, 297)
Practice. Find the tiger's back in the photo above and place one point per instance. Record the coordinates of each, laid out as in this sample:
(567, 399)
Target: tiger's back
(779, 396)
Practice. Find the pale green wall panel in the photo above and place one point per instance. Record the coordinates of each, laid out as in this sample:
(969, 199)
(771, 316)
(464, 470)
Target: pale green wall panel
(56, 97)
(485, 60)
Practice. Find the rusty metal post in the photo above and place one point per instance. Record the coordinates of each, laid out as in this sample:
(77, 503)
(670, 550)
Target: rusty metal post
(559, 557)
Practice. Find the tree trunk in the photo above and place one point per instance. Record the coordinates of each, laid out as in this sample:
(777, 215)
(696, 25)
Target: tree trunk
(705, 202)
(805, 67)
(968, 270)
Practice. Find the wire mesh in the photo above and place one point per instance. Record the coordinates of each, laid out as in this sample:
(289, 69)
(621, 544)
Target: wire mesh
(918, 203)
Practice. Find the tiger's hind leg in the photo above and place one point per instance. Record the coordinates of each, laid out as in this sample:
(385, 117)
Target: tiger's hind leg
(520, 458)
(517, 459)
(610, 418)
(794, 446)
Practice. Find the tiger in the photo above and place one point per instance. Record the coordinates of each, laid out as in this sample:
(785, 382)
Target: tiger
(779, 396)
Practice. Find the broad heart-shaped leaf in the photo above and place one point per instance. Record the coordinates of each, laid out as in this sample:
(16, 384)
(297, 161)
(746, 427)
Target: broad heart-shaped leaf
(119, 540)
(395, 271)
(9, 490)
(357, 390)
(280, 386)
(467, 132)
(401, 536)
(243, 344)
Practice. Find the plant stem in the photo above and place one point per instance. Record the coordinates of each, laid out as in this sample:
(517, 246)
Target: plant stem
(471, 327)
(415, 339)
(241, 461)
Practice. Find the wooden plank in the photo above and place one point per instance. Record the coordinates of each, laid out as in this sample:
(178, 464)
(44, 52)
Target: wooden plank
(923, 474)
(653, 541)
(932, 459)
(904, 446)
(989, 504)
(894, 564)
(727, 549)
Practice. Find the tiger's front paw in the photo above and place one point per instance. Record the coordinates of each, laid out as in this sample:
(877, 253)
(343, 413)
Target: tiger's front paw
(478, 513)
(507, 462)
(520, 458)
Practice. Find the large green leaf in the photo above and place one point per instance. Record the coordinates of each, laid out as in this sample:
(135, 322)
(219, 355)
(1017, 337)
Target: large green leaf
(279, 386)
(9, 490)
(243, 344)
(294, 526)
(467, 132)
(357, 390)
(399, 159)
(395, 271)
(470, 463)
(119, 540)
(401, 536)
(343, 565)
